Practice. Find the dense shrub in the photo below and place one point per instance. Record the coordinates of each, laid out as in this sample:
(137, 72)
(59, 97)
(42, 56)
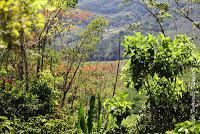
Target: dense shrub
(155, 68)
(46, 93)
(186, 127)
(17, 103)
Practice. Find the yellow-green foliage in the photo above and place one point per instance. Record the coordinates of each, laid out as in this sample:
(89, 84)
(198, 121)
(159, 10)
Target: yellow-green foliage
(186, 127)
(18, 15)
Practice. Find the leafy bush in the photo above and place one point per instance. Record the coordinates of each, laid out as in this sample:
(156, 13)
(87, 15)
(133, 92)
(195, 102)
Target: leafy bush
(120, 109)
(44, 124)
(186, 127)
(86, 126)
(17, 103)
(6, 126)
(47, 94)
(155, 68)
(158, 55)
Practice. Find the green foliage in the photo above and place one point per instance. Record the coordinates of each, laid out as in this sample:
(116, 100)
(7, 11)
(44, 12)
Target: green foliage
(130, 123)
(92, 35)
(6, 125)
(168, 91)
(20, 109)
(166, 57)
(90, 119)
(87, 127)
(43, 124)
(25, 15)
(19, 15)
(99, 115)
(162, 9)
(47, 94)
(15, 102)
(186, 127)
(63, 3)
(154, 68)
(82, 125)
(120, 109)
(3, 73)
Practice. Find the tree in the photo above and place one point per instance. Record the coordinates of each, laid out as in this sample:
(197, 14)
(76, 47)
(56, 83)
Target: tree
(154, 68)
(19, 19)
(186, 11)
(88, 40)
(158, 10)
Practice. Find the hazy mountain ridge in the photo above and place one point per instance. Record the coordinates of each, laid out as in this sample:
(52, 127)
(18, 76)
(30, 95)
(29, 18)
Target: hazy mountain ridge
(120, 17)
(117, 15)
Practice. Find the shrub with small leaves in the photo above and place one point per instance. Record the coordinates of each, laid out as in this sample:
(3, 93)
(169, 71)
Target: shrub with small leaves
(186, 127)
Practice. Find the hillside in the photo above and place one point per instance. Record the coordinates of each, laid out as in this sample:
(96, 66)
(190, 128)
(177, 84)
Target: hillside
(120, 17)
(99, 67)
(117, 15)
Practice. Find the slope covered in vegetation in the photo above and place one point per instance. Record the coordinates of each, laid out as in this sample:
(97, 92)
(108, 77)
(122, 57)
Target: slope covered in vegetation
(48, 83)
(125, 18)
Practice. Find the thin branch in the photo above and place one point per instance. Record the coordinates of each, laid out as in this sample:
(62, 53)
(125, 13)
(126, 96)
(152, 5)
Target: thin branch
(185, 15)
(155, 16)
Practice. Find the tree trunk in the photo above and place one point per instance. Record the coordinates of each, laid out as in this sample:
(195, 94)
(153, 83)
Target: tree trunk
(43, 51)
(118, 65)
(69, 85)
(20, 69)
(24, 58)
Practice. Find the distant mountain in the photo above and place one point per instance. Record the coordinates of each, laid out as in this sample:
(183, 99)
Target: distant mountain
(120, 17)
